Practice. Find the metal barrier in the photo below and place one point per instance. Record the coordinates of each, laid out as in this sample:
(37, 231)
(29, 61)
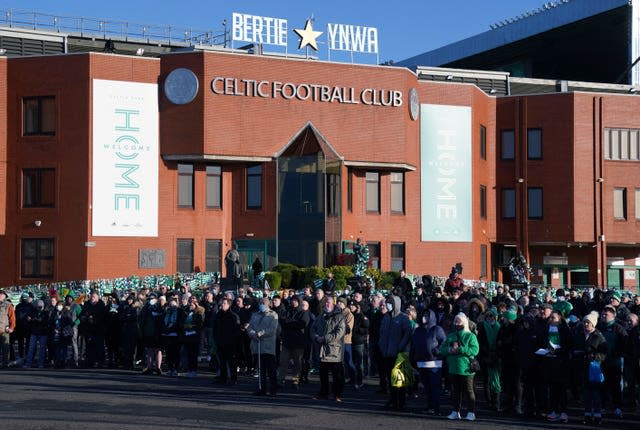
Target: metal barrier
(110, 29)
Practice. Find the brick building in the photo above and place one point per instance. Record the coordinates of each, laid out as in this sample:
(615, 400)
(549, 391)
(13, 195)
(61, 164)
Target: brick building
(114, 165)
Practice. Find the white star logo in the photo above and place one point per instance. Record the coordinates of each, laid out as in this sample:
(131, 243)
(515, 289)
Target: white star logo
(308, 36)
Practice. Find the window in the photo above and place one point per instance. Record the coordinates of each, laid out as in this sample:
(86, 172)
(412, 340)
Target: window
(397, 256)
(534, 203)
(37, 258)
(622, 144)
(483, 202)
(254, 187)
(39, 116)
(185, 185)
(397, 192)
(534, 144)
(38, 188)
(508, 203)
(508, 145)
(374, 254)
(483, 261)
(184, 256)
(333, 194)
(213, 252)
(214, 187)
(483, 142)
(637, 203)
(373, 191)
(350, 190)
(620, 203)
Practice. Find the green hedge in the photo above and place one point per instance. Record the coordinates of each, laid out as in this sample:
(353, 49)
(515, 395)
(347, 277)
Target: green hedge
(274, 279)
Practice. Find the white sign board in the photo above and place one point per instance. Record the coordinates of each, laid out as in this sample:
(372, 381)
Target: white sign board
(125, 159)
(259, 29)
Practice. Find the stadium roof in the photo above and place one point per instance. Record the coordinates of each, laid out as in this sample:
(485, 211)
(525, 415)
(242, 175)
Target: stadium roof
(587, 40)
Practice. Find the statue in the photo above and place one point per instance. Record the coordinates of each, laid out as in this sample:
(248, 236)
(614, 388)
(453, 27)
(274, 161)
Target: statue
(519, 270)
(361, 251)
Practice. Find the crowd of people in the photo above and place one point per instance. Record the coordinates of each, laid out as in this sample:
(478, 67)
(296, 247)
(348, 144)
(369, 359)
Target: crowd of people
(525, 352)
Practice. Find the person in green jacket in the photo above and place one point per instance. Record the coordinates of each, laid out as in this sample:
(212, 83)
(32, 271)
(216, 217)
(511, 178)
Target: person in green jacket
(458, 349)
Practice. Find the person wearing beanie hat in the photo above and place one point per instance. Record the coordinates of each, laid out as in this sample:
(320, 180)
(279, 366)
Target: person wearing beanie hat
(510, 315)
(616, 337)
(589, 347)
(562, 305)
(622, 312)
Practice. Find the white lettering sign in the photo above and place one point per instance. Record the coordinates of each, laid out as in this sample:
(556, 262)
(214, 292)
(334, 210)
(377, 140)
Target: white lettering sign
(354, 38)
(314, 92)
(259, 29)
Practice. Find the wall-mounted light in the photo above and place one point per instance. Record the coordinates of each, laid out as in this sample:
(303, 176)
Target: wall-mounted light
(3, 51)
(600, 180)
(601, 238)
(520, 180)
(140, 52)
(449, 77)
(249, 234)
(37, 223)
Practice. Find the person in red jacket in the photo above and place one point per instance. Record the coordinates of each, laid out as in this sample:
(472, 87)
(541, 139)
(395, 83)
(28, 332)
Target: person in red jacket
(7, 326)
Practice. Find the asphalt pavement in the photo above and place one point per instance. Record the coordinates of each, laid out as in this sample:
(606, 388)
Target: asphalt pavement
(117, 399)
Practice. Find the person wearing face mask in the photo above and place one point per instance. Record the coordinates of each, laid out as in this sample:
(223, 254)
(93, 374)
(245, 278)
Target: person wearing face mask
(92, 327)
(425, 356)
(489, 359)
(262, 330)
(190, 321)
(328, 332)
(150, 322)
(459, 348)
(39, 328)
(395, 337)
(60, 332)
(170, 341)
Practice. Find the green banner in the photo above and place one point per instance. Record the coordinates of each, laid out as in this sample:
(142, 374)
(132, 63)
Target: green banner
(445, 166)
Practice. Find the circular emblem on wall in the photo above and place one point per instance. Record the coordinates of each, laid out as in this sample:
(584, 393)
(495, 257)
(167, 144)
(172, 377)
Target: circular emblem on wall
(181, 86)
(414, 104)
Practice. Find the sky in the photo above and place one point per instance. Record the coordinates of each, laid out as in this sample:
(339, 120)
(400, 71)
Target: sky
(405, 28)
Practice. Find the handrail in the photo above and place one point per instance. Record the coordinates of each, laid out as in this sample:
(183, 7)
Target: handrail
(113, 29)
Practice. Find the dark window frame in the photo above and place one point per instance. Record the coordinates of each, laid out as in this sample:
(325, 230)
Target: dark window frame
(402, 192)
(483, 142)
(37, 128)
(184, 259)
(483, 260)
(377, 184)
(38, 192)
(213, 175)
(37, 258)
(624, 204)
(503, 201)
(374, 257)
(483, 202)
(350, 190)
(529, 205)
(213, 262)
(395, 260)
(185, 174)
(502, 144)
(531, 156)
(249, 174)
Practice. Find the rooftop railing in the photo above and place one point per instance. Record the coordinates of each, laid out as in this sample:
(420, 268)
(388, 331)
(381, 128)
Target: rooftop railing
(112, 29)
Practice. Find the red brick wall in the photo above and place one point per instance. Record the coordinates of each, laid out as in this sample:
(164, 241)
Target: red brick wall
(3, 144)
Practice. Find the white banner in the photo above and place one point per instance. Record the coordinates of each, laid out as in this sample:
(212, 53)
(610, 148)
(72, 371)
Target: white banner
(125, 159)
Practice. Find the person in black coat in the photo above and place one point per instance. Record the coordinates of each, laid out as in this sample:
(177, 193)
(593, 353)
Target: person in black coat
(359, 335)
(128, 317)
(92, 319)
(294, 321)
(403, 287)
(556, 339)
(226, 332)
(39, 329)
(525, 341)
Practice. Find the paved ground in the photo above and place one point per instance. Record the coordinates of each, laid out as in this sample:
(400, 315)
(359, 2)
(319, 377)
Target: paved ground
(114, 399)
